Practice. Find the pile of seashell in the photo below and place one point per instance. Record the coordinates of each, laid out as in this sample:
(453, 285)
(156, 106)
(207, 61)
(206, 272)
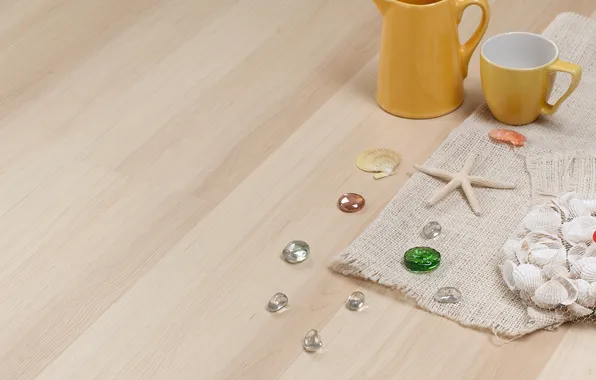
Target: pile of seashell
(551, 262)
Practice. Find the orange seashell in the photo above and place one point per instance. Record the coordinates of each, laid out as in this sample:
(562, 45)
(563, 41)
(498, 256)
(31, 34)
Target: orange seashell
(508, 136)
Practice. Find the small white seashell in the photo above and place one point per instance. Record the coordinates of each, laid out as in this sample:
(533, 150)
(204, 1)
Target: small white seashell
(513, 251)
(572, 259)
(571, 289)
(572, 207)
(578, 250)
(382, 161)
(590, 251)
(592, 290)
(558, 291)
(521, 231)
(579, 230)
(562, 202)
(553, 270)
(581, 250)
(541, 238)
(528, 278)
(584, 296)
(522, 252)
(584, 268)
(542, 254)
(579, 310)
(577, 207)
(537, 242)
(582, 290)
(591, 206)
(543, 249)
(507, 271)
(531, 240)
(543, 219)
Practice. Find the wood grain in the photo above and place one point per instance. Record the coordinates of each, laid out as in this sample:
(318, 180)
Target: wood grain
(155, 157)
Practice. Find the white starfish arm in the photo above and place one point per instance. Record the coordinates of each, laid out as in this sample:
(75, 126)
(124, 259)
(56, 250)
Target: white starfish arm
(464, 180)
(442, 192)
(467, 188)
(469, 163)
(438, 173)
(485, 182)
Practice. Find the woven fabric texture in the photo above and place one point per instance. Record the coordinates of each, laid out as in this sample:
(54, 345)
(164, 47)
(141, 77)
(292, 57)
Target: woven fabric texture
(557, 158)
(556, 174)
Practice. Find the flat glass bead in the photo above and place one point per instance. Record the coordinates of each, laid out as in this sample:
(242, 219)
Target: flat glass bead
(296, 251)
(355, 301)
(448, 295)
(431, 230)
(422, 259)
(312, 341)
(350, 202)
(277, 302)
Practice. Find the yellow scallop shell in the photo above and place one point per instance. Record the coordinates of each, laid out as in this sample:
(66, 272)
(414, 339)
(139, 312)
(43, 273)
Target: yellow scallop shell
(381, 161)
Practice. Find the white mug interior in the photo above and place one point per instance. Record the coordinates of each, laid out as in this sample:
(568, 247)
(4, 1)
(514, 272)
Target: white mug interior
(519, 50)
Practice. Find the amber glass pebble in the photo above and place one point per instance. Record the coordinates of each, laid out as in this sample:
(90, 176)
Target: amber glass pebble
(350, 202)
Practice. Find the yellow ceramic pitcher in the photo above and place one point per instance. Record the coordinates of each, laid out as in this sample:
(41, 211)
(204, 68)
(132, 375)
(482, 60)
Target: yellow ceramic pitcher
(422, 64)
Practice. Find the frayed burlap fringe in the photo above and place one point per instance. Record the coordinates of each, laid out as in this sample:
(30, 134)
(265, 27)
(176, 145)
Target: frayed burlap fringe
(471, 245)
(555, 174)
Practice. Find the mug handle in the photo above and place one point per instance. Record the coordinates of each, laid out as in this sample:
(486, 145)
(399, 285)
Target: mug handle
(576, 76)
(466, 50)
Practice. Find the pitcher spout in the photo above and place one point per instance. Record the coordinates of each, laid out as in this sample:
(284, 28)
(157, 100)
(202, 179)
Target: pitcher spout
(382, 5)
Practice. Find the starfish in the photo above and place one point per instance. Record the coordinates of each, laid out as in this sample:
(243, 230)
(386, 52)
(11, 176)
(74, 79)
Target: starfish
(464, 180)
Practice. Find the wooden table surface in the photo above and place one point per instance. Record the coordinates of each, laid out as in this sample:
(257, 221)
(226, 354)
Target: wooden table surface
(156, 156)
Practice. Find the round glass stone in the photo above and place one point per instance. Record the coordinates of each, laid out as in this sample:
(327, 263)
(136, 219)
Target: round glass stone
(295, 252)
(431, 230)
(422, 259)
(312, 341)
(448, 295)
(350, 202)
(355, 301)
(277, 302)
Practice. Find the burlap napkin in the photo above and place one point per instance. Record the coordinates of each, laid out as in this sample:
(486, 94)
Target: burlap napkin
(552, 162)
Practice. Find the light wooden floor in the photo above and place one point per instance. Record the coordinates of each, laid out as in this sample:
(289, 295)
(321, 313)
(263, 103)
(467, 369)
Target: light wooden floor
(155, 157)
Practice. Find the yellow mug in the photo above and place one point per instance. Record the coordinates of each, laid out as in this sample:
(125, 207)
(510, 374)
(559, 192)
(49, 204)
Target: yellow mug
(517, 71)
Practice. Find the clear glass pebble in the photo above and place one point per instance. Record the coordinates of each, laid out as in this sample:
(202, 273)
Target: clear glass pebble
(355, 301)
(431, 230)
(277, 302)
(312, 341)
(296, 251)
(448, 295)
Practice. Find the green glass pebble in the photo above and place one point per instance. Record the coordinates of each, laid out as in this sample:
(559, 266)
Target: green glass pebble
(422, 259)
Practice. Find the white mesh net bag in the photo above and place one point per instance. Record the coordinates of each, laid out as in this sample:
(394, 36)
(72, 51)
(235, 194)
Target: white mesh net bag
(551, 261)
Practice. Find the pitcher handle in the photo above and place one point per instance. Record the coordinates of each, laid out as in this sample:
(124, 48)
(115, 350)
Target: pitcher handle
(466, 50)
